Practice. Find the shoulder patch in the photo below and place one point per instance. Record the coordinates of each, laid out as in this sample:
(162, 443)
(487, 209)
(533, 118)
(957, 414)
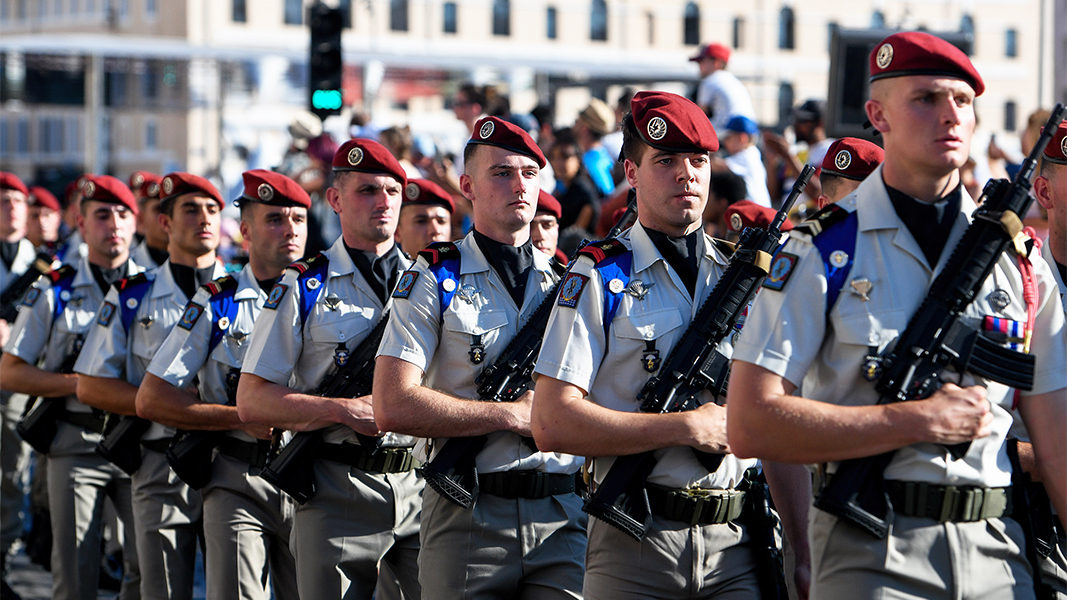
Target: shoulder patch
(276, 295)
(822, 220)
(64, 272)
(439, 251)
(190, 316)
(222, 284)
(107, 311)
(31, 296)
(781, 269)
(600, 251)
(572, 289)
(405, 284)
(303, 266)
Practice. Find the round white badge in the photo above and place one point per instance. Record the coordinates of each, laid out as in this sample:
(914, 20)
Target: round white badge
(131, 303)
(839, 258)
(153, 189)
(168, 186)
(1063, 145)
(265, 192)
(616, 286)
(736, 223)
(885, 56)
(843, 160)
(487, 130)
(449, 285)
(657, 128)
(64, 295)
(355, 156)
(224, 323)
(313, 284)
(138, 180)
(88, 189)
(411, 191)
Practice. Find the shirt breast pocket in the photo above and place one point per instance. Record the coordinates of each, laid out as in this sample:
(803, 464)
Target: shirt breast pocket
(476, 323)
(229, 352)
(339, 330)
(868, 329)
(653, 330)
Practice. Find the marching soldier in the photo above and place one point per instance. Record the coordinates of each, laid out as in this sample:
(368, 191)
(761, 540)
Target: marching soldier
(247, 521)
(57, 313)
(454, 313)
(948, 535)
(425, 216)
(42, 227)
(152, 249)
(847, 163)
(132, 323)
(366, 504)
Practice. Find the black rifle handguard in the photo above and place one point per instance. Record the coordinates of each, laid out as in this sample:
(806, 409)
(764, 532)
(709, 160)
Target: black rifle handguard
(13, 293)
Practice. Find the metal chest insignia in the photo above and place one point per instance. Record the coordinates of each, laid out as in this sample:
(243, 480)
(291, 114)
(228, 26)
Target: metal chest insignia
(147, 320)
(999, 299)
(332, 302)
(638, 289)
(477, 351)
(650, 359)
(467, 292)
(340, 355)
(861, 286)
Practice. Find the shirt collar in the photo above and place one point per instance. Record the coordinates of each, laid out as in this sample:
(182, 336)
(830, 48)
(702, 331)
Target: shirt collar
(646, 254)
(475, 262)
(247, 286)
(165, 285)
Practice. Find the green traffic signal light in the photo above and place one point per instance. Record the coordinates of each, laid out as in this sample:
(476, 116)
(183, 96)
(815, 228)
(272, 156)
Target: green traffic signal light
(326, 100)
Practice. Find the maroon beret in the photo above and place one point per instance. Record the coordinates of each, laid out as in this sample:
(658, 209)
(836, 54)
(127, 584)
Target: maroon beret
(713, 50)
(672, 123)
(177, 184)
(747, 213)
(547, 203)
(105, 188)
(140, 180)
(268, 187)
(919, 53)
(368, 156)
(852, 158)
(10, 181)
(494, 131)
(424, 191)
(42, 197)
(1056, 151)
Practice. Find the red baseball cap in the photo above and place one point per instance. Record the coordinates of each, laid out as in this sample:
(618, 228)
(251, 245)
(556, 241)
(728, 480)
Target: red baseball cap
(672, 123)
(10, 181)
(424, 191)
(1056, 151)
(178, 183)
(42, 197)
(368, 156)
(494, 131)
(713, 50)
(268, 187)
(747, 213)
(105, 188)
(919, 53)
(547, 203)
(852, 158)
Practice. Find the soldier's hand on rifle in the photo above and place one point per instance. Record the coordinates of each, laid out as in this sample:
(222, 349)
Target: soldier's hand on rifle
(521, 410)
(257, 430)
(358, 413)
(954, 415)
(708, 425)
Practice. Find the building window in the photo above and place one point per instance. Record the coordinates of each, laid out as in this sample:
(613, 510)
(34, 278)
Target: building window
(738, 33)
(240, 11)
(598, 20)
(651, 20)
(878, 20)
(398, 15)
(51, 131)
(1011, 47)
(22, 136)
(550, 23)
(450, 17)
(5, 147)
(1010, 114)
(150, 9)
(501, 17)
(691, 26)
(786, 98)
(73, 7)
(294, 12)
(786, 26)
(151, 135)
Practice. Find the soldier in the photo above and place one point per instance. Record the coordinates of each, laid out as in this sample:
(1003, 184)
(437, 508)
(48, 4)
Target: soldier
(544, 229)
(152, 249)
(366, 504)
(57, 314)
(247, 521)
(524, 534)
(593, 365)
(42, 227)
(73, 245)
(425, 216)
(847, 163)
(135, 318)
(904, 221)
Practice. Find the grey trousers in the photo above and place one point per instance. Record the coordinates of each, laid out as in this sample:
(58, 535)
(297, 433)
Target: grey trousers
(14, 457)
(78, 485)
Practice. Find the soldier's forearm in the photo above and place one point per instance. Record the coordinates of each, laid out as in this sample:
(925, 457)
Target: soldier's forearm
(163, 403)
(21, 376)
(106, 393)
(267, 403)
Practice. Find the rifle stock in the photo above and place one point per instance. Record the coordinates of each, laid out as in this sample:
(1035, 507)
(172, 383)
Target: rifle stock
(12, 295)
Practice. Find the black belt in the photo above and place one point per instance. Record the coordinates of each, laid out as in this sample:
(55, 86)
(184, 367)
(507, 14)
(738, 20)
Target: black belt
(159, 445)
(253, 453)
(948, 502)
(695, 506)
(88, 421)
(385, 460)
(531, 485)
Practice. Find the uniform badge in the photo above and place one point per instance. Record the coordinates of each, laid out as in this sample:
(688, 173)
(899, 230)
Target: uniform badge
(736, 223)
(168, 186)
(466, 293)
(107, 310)
(861, 286)
(355, 156)
(657, 128)
(781, 269)
(616, 286)
(238, 336)
(276, 295)
(839, 258)
(411, 191)
(265, 192)
(332, 302)
(146, 321)
(999, 298)
(138, 180)
(406, 284)
(64, 295)
(650, 360)
(449, 285)
(843, 160)
(340, 355)
(89, 189)
(639, 289)
(1063, 145)
(131, 303)
(34, 293)
(224, 323)
(885, 56)
(313, 283)
(477, 351)
(190, 316)
(572, 289)
(487, 130)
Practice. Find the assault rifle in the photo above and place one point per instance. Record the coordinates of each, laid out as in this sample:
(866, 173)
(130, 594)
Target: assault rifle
(761, 521)
(937, 336)
(189, 453)
(290, 469)
(694, 365)
(37, 426)
(12, 295)
(452, 473)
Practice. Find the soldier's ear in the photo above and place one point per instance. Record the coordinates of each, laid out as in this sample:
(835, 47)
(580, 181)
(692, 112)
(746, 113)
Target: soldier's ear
(1043, 192)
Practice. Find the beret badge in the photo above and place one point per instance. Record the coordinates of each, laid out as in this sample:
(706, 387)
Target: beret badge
(885, 56)
(657, 128)
(1063, 145)
(355, 156)
(487, 130)
(138, 180)
(265, 192)
(89, 189)
(736, 223)
(411, 191)
(843, 160)
(168, 186)
(152, 189)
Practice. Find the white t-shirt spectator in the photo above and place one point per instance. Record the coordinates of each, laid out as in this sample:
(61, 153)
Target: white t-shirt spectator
(748, 164)
(726, 96)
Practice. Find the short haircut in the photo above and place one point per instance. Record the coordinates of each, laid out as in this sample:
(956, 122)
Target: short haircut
(1047, 167)
(475, 94)
(830, 183)
(633, 147)
(729, 186)
(468, 155)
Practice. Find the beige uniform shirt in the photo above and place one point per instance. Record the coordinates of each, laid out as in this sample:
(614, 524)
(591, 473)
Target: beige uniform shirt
(787, 334)
(608, 362)
(440, 344)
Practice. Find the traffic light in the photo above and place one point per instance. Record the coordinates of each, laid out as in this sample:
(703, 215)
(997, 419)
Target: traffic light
(326, 66)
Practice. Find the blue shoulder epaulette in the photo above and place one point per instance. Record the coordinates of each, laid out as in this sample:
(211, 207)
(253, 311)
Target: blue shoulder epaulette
(307, 270)
(613, 260)
(833, 231)
(223, 305)
(443, 260)
(62, 281)
(131, 293)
